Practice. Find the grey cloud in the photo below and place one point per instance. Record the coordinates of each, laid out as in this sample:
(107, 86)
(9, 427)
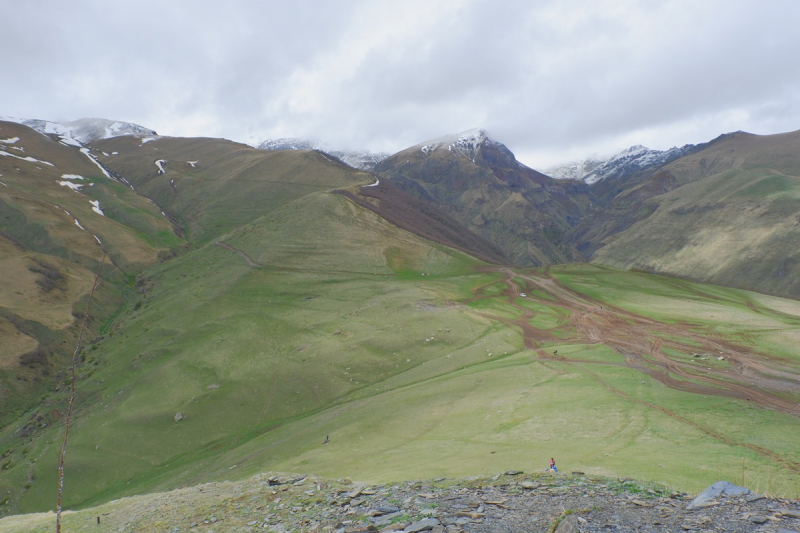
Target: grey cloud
(545, 77)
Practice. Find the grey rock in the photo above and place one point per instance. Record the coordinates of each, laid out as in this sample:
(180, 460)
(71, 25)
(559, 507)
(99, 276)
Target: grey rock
(386, 519)
(568, 525)
(758, 519)
(421, 525)
(719, 488)
(784, 530)
(178, 417)
(754, 497)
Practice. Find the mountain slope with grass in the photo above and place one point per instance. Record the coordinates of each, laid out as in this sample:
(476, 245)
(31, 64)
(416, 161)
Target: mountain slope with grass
(727, 214)
(260, 319)
(60, 213)
(208, 187)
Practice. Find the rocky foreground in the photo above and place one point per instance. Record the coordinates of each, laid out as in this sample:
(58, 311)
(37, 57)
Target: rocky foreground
(509, 502)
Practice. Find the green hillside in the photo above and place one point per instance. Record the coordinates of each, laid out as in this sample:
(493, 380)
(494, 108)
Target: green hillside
(417, 361)
(59, 213)
(730, 217)
(211, 186)
(247, 313)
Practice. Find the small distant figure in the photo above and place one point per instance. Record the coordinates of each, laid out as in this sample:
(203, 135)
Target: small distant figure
(326, 440)
(555, 352)
(553, 465)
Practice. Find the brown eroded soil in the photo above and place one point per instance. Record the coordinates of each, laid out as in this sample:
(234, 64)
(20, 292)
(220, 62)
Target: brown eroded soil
(642, 342)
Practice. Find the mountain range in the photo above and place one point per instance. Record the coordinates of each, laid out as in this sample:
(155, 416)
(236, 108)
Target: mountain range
(254, 299)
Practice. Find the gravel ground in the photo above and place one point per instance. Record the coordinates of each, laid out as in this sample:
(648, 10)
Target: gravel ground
(509, 502)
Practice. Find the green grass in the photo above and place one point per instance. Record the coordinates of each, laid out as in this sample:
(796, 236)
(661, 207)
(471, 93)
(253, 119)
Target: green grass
(336, 332)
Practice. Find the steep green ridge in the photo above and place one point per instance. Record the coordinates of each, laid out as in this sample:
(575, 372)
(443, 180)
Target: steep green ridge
(729, 216)
(212, 186)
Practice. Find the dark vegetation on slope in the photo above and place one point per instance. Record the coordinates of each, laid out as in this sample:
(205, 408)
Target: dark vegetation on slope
(422, 218)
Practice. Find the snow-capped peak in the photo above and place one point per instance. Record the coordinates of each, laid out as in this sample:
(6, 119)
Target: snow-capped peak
(628, 161)
(84, 130)
(465, 143)
(286, 143)
(87, 130)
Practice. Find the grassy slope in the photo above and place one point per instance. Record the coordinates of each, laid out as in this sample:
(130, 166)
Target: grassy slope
(38, 229)
(733, 221)
(213, 186)
(310, 326)
(273, 344)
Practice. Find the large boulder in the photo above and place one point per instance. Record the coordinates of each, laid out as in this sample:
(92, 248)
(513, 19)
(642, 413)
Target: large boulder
(720, 488)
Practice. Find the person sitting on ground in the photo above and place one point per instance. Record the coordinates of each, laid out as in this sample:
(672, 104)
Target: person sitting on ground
(553, 465)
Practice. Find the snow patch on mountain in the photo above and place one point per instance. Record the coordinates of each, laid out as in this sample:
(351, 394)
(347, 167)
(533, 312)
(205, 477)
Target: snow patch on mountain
(87, 130)
(28, 158)
(74, 186)
(160, 165)
(465, 143)
(359, 160)
(83, 130)
(96, 207)
(286, 143)
(356, 159)
(633, 159)
(87, 153)
(10, 140)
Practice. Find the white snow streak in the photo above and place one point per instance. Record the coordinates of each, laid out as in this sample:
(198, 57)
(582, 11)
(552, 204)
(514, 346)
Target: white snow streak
(192, 163)
(95, 238)
(160, 165)
(29, 158)
(85, 151)
(74, 186)
(71, 177)
(96, 207)
(377, 182)
(11, 140)
(79, 225)
(69, 141)
(148, 139)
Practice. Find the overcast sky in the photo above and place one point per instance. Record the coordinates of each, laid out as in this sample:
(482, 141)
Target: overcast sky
(552, 79)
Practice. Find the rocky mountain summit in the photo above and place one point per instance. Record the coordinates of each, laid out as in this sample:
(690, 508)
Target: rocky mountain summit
(509, 502)
(627, 162)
